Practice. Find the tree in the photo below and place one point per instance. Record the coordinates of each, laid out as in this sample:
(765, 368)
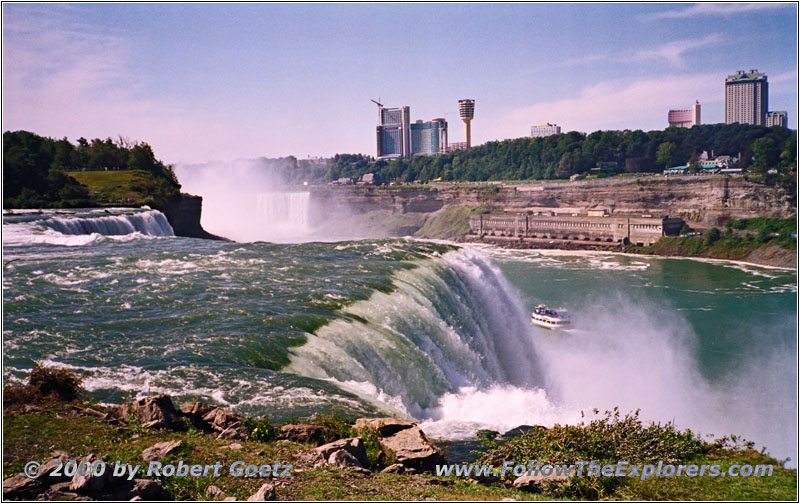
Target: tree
(665, 153)
(711, 236)
(766, 153)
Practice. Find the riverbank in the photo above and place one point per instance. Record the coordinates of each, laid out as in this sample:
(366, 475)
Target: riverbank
(329, 458)
(768, 255)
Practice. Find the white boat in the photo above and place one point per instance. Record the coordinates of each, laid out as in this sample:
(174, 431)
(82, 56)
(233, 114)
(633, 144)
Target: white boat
(551, 319)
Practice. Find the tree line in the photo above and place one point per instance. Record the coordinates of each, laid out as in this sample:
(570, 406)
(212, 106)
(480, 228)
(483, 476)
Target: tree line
(35, 168)
(560, 156)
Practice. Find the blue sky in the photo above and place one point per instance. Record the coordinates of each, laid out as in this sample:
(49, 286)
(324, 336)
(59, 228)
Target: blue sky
(203, 82)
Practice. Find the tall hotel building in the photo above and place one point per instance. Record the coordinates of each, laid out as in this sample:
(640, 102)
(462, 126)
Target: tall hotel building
(685, 118)
(393, 132)
(398, 137)
(545, 129)
(746, 98)
(776, 118)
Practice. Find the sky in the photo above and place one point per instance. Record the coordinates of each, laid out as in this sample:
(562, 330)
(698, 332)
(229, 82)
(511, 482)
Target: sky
(216, 82)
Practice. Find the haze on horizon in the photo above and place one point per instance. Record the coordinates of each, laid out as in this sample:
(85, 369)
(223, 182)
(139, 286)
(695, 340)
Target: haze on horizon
(202, 82)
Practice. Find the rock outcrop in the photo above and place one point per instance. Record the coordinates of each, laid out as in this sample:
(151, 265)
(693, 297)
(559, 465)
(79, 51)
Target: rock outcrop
(156, 412)
(699, 200)
(160, 450)
(404, 442)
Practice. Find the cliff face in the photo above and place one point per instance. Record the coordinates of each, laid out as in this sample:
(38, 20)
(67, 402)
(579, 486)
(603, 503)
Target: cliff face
(183, 214)
(700, 200)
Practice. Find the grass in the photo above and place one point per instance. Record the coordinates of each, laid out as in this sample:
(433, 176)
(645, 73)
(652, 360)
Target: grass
(740, 239)
(33, 433)
(134, 187)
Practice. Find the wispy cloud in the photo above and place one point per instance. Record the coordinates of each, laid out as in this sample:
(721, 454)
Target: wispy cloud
(673, 52)
(717, 9)
(614, 105)
(64, 78)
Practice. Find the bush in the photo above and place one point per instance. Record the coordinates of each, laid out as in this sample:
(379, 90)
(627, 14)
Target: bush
(261, 429)
(45, 383)
(336, 422)
(607, 439)
(712, 236)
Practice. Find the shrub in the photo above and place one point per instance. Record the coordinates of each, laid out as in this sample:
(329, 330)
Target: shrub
(46, 383)
(336, 422)
(261, 429)
(712, 236)
(607, 439)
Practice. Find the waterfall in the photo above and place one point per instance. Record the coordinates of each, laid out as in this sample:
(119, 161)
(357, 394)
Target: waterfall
(150, 223)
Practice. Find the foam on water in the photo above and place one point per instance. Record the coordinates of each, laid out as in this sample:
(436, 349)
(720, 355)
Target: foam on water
(81, 228)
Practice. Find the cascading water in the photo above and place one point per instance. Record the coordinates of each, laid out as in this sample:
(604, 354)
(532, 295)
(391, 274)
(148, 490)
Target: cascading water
(150, 223)
(82, 227)
(451, 323)
(289, 209)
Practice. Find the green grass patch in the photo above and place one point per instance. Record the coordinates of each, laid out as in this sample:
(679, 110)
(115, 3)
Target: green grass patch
(130, 187)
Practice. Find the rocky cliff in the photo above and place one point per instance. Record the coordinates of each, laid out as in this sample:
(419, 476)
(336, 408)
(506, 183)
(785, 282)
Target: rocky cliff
(702, 201)
(183, 214)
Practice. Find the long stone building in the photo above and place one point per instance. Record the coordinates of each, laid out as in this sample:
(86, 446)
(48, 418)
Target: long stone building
(636, 230)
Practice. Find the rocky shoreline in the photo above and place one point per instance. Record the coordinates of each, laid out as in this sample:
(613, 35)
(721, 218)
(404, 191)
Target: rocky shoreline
(404, 449)
(771, 256)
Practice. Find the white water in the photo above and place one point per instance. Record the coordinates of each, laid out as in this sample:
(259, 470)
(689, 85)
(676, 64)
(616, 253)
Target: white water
(452, 346)
(82, 228)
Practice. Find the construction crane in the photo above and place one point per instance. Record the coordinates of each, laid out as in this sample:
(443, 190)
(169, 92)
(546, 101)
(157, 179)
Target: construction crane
(376, 102)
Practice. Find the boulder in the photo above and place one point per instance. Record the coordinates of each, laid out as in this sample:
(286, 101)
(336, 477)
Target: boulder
(20, 486)
(307, 433)
(265, 493)
(234, 431)
(195, 411)
(395, 469)
(57, 459)
(160, 450)
(343, 459)
(219, 419)
(412, 448)
(146, 489)
(354, 446)
(385, 427)
(156, 412)
(534, 482)
(215, 492)
(90, 483)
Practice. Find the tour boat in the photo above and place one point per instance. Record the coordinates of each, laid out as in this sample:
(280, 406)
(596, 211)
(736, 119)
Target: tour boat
(551, 319)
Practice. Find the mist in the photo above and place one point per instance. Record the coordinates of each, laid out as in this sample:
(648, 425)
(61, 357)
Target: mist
(636, 355)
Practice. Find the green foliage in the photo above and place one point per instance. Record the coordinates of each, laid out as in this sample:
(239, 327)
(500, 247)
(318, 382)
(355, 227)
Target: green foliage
(338, 423)
(711, 236)
(563, 155)
(606, 440)
(666, 153)
(685, 230)
(261, 429)
(35, 170)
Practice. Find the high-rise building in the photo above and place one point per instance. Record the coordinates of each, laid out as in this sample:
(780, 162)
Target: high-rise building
(428, 138)
(746, 98)
(393, 132)
(466, 110)
(397, 137)
(685, 118)
(545, 129)
(777, 118)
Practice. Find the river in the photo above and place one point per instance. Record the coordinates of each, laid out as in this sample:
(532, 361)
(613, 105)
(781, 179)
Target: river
(426, 330)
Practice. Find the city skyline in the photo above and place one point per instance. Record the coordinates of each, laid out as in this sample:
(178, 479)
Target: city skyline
(203, 82)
